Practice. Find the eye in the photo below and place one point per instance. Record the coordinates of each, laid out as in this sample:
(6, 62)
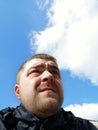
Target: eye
(34, 73)
(55, 73)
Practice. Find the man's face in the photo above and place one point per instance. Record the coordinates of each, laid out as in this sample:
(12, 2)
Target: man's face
(40, 88)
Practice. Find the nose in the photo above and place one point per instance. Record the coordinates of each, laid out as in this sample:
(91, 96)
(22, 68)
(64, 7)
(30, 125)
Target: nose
(47, 76)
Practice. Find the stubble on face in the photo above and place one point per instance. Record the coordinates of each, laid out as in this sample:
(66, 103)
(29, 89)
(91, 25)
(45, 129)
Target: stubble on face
(49, 102)
(37, 99)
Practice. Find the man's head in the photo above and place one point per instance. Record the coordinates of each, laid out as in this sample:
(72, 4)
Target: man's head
(39, 85)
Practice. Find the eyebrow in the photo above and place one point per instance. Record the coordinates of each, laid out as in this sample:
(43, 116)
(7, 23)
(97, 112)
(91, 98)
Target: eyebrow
(52, 66)
(36, 66)
(33, 67)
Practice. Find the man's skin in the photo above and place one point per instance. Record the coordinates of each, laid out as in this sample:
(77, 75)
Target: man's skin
(40, 87)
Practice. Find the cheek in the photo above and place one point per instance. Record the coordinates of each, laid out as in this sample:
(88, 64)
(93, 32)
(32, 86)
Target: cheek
(31, 83)
(59, 87)
(35, 82)
(58, 83)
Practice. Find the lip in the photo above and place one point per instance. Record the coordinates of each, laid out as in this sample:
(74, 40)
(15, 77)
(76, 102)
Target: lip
(46, 89)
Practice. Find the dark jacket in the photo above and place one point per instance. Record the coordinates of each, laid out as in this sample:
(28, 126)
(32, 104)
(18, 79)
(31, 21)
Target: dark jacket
(20, 119)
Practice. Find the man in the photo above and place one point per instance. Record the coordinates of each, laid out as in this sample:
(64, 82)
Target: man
(39, 88)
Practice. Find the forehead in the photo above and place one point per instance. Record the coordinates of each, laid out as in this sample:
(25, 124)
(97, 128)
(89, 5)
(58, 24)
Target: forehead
(37, 62)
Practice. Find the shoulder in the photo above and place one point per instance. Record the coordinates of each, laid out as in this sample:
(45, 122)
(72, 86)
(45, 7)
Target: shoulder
(77, 122)
(6, 112)
(6, 118)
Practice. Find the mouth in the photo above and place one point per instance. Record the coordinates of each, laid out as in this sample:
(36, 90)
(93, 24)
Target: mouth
(46, 89)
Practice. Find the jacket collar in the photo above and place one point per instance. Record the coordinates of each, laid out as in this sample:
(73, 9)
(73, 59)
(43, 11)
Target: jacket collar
(23, 115)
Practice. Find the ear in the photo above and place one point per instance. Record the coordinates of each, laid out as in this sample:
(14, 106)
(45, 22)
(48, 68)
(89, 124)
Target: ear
(17, 91)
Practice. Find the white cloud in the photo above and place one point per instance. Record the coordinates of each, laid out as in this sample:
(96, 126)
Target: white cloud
(87, 111)
(71, 36)
(42, 3)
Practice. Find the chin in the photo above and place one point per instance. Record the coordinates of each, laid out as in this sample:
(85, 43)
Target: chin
(49, 107)
(52, 105)
(51, 111)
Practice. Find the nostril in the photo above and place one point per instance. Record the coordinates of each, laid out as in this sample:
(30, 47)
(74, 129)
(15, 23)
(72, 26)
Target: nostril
(47, 76)
(51, 79)
(47, 79)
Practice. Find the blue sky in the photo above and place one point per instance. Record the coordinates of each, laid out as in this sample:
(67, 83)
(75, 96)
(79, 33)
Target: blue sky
(60, 28)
